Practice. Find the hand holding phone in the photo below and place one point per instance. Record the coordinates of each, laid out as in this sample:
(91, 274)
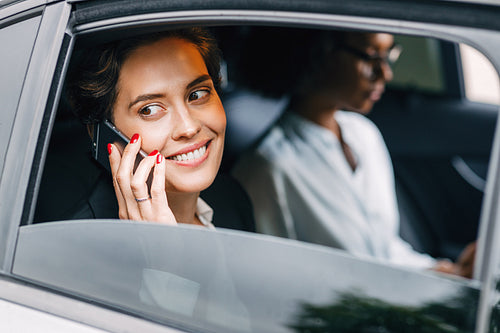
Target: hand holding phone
(147, 202)
(104, 133)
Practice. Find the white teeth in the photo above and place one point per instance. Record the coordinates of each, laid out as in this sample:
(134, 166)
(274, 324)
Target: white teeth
(197, 153)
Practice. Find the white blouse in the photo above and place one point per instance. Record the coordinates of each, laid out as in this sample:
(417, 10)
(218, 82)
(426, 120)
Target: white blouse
(302, 187)
(205, 213)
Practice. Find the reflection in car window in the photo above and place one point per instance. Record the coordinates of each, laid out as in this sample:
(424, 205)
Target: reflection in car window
(17, 41)
(235, 282)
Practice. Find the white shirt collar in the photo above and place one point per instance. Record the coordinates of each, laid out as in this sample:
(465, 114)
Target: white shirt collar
(310, 130)
(204, 212)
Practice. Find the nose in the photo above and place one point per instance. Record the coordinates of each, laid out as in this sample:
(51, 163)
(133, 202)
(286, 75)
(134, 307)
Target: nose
(185, 125)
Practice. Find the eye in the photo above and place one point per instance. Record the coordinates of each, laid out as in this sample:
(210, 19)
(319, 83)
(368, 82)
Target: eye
(198, 94)
(150, 110)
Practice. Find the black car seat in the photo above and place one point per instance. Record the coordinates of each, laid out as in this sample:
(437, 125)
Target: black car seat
(249, 117)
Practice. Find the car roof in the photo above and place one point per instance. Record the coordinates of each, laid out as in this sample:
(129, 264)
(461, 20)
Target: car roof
(486, 2)
(477, 13)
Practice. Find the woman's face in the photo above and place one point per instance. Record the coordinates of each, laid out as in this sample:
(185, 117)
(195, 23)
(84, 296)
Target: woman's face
(357, 83)
(166, 96)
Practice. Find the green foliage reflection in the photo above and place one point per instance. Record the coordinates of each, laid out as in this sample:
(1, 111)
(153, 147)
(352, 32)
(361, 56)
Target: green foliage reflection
(360, 314)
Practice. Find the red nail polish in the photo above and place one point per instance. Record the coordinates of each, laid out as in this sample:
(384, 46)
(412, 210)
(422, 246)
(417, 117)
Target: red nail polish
(153, 153)
(159, 158)
(110, 148)
(134, 139)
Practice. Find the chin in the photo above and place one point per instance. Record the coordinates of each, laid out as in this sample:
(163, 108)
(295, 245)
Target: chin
(365, 111)
(191, 183)
(364, 108)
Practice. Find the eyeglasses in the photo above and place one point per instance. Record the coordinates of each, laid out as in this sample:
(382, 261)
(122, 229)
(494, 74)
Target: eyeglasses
(390, 57)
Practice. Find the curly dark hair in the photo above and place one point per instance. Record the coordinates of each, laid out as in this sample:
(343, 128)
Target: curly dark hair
(92, 83)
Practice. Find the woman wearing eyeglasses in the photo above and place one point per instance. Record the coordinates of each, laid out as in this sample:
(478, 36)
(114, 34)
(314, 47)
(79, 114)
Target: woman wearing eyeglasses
(323, 174)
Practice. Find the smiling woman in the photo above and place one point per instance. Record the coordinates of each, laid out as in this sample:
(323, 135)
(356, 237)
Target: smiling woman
(161, 92)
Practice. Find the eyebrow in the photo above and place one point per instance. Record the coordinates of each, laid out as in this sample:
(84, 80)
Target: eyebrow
(147, 97)
(200, 79)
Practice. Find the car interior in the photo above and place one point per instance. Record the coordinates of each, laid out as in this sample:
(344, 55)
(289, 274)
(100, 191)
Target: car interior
(435, 135)
(430, 128)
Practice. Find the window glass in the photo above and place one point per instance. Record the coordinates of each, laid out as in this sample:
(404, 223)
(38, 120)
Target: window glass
(419, 66)
(17, 41)
(233, 282)
(480, 77)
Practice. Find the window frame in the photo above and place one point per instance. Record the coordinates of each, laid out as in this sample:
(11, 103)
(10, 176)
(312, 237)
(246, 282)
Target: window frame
(18, 66)
(26, 127)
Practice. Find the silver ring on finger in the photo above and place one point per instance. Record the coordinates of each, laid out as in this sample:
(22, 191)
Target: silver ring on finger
(142, 199)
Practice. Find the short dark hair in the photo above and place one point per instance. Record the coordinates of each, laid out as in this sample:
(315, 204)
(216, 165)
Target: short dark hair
(92, 82)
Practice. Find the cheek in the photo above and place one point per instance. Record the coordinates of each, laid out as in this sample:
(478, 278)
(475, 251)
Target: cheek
(359, 84)
(346, 77)
(216, 119)
(153, 138)
(359, 74)
(220, 126)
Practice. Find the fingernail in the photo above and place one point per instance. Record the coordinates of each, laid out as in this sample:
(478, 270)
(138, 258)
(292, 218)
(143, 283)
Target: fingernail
(110, 148)
(134, 139)
(153, 153)
(159, 158)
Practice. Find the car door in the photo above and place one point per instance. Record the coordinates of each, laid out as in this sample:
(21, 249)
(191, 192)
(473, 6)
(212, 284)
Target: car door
(22, 64)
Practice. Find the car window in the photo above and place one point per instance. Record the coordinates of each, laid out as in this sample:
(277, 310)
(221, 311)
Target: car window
(233, 282)
(17, 41)
(480, 77)
(420, 65)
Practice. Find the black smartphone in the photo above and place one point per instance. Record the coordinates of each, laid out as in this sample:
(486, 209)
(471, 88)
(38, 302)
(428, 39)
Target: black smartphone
(105, 132)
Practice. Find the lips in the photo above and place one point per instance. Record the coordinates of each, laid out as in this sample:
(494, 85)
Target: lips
(192, 153)
(376, 94)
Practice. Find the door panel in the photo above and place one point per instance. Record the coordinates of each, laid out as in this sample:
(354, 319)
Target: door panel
(434, 142)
